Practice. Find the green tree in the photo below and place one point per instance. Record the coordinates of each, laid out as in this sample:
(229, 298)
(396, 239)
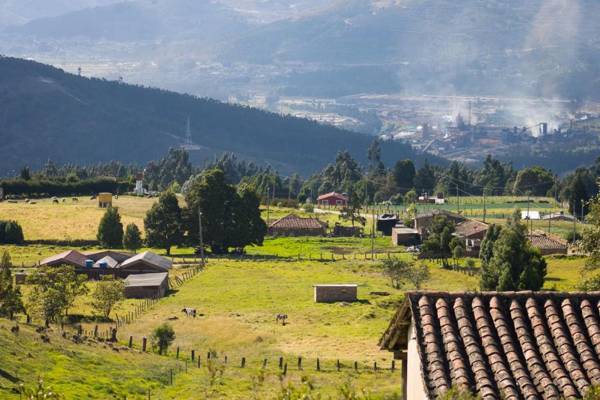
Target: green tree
(457, 247)
(437, 244)
(10, 295)
(535, 180)
(425, 178)
(590, 244)
(352, 211)
(110, 230)
(107, 294)
(25, 173)
(515, 264)
(404, 175)
(132, 239)
(376, 166)
(162, 337)
(577, 194)
(401, 272)
(163, 223)
(54, 292)
(229, 218)
(11, 233)
(251, 227)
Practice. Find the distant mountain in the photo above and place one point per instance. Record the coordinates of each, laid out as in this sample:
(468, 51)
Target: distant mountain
(141, 20)
(18, 12)
(48, 114)
(512, 47)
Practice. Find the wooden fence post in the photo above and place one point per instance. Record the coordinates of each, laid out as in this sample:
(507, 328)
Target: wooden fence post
(199, 362)
(177, 356)
(300, 363)
(264, 363)
(318, 365)
(243, 364)
(355, 366)
(144, 343)
(338, 365)
(285, 369)
(193, 355)
(130, 342)
(280, 362)
(393, 365)
(96, 331)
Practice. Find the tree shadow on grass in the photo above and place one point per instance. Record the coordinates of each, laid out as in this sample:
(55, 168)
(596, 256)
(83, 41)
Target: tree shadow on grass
(9, 377)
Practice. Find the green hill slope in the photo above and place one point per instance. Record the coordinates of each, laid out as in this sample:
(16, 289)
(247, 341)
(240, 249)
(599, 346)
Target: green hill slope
(77, 371)
(46, 113)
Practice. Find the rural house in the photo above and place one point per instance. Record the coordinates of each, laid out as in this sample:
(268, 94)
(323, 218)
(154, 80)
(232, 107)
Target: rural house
(332, 199)
(424, 221)
(547, 243)
(293, 225)
(472, 232)
(499, 345)
(147, 286)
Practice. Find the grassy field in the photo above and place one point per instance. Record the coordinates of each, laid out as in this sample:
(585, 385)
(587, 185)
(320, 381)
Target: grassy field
(237, 298)
(71, 220)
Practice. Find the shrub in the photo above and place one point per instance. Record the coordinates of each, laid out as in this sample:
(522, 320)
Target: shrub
(11, 233)
(162, 337)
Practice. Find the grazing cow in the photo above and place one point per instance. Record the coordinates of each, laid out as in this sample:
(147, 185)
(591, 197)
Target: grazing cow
(75, 199)
(281, 317)
(55, 201)
(190, 312)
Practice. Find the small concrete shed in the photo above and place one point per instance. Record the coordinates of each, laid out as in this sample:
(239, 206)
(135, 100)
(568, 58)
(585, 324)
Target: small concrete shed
(332, 293)
(146, 286)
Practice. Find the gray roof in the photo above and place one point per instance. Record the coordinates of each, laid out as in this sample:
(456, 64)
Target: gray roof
(110, 262)
(146, 280)
(149, 258)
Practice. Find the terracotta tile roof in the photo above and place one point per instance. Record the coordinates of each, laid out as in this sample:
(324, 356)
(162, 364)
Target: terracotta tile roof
(332, 195)
(71, 257)
(293, 221)
(470, 227)
(512, 345)
(543, 240)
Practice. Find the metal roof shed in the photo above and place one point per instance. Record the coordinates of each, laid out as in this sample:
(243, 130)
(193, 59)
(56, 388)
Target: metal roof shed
(145, 286)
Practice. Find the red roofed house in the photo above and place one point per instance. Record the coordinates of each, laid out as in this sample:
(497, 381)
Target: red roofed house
(497, 345)
(332, 199)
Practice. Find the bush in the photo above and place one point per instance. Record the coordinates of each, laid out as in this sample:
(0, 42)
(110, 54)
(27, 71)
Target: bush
(11, 233)
(42, 188)
(162, 337)
(573, 236)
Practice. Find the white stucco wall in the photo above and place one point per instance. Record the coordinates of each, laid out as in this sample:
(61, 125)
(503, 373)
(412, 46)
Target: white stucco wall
(414, 388)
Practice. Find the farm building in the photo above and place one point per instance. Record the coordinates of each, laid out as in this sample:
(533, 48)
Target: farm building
(70, 257)
(144, 263)
(560, 216)
(403, 236)
(293, 225)
(118, 264)
(424, 221)
(347, 231)
(105, 200)
(386, 222)
(530, 215)
(547, 243)
(518, 345)
(332, 199)
(335, 293)
(473, 232)
(147, 286)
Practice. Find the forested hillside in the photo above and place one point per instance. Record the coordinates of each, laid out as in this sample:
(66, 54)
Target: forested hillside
(48, 114)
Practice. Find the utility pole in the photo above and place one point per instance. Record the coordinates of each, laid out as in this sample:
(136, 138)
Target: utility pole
(484, 209)
(457, 200)
(268, 201)
(201, 236)
(373, 236)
